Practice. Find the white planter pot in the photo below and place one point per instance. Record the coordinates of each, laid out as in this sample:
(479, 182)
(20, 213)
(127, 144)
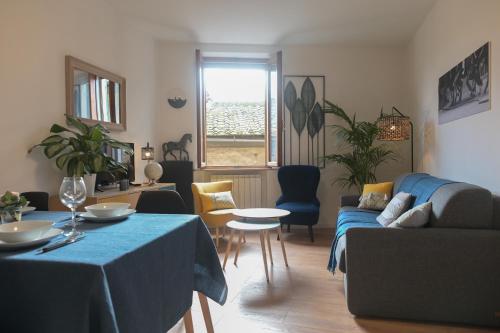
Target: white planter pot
(89, 180)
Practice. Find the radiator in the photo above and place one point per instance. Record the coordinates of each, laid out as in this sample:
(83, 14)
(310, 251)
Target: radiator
(247, 189)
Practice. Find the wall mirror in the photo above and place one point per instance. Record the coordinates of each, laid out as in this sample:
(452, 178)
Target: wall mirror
(95, 95)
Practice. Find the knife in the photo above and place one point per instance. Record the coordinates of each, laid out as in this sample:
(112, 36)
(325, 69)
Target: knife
(67, 241)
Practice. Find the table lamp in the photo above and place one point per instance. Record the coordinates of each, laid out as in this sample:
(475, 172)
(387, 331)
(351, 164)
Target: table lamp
(153, 170)
(395, 127)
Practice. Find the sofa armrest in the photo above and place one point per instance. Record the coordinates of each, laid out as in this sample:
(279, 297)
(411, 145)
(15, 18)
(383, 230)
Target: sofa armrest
(424, 274)
(349, 200)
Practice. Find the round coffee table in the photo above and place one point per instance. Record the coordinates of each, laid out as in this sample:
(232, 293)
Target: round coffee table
(261, 213)
(261, 220)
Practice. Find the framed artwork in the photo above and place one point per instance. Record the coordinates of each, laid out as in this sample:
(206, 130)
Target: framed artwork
(465, 89)
(304, 120)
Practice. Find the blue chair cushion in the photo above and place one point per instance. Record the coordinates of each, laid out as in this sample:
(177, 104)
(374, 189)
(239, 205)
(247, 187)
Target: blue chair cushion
(302, 213)
(299, 207)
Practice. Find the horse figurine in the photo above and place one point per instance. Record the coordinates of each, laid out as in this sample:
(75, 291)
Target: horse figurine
(171, 146)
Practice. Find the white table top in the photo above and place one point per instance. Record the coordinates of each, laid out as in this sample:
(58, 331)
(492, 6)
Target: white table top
(237, 225)
(261, 213)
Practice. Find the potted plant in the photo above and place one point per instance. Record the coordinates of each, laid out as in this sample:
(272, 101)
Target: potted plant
(10, 203)
(79, 151)
(360, 156)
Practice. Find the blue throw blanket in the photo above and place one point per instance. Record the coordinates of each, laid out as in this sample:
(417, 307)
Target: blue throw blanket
(347, 220)
(422, 186)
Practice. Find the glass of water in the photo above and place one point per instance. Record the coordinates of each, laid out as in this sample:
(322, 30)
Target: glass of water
(72, 194)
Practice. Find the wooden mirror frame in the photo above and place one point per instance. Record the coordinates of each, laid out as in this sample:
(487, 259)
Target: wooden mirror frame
(73, 63)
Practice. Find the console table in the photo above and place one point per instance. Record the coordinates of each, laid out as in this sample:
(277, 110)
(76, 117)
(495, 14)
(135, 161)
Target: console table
(129, 196)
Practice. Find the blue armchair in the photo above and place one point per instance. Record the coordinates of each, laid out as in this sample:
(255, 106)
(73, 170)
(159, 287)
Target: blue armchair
(299, 184)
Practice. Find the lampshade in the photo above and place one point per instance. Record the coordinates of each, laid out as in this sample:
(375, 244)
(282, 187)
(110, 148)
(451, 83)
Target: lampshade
(147, 153)
(394, 127)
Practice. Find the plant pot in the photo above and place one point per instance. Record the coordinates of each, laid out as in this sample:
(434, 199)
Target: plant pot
(89, 180)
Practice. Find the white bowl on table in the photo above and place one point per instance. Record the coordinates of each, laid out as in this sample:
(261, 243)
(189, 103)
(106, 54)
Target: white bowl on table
(108, 209)
(23, 231)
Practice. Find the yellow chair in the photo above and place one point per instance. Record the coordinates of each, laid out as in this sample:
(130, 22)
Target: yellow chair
(215, 218)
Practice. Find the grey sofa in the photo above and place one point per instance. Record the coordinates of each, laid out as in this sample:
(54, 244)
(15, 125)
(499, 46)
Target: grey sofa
(448, 271)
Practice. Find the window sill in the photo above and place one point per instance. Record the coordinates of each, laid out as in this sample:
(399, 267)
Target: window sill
(264, 168)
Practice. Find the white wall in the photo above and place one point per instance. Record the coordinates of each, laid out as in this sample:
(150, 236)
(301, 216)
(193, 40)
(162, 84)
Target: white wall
(358, 79)
(35, 36)
(465, 149)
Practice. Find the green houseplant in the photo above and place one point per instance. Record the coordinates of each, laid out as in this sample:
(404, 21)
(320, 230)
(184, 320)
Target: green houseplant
(10, 203)
(361, 155)
(79, 150)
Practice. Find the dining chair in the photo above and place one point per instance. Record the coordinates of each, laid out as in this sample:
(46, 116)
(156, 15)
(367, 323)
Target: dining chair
(216, 218)
(160, 202)
(37, 199)
(299, 184)
(170, 202)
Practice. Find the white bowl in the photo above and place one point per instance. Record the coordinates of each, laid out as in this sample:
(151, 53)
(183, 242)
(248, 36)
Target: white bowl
(108, 209)
(23, 231)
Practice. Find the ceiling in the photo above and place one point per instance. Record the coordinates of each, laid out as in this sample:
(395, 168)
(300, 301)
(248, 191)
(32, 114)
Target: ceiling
(268, 22)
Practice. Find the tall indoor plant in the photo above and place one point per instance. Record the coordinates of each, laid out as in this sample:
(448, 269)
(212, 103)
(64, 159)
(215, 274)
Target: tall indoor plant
(79, 150)
(360, 155)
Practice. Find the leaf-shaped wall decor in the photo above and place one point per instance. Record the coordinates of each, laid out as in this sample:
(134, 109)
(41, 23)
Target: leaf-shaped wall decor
(299, 116)
(315, 120)
(290, 96)
(308, 94)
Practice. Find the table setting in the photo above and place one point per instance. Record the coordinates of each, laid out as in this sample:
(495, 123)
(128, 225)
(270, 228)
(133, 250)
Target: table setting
(108, 269)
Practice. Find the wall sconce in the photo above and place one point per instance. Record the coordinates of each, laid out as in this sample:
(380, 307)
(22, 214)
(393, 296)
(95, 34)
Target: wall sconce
(177, 102)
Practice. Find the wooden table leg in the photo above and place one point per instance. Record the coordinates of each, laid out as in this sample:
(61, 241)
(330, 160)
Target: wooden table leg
(217, 237)
(269, 247)
(228, 249)
(262, 244)
(206, 312)
(282, 246)
(188, 321)
(238, 248)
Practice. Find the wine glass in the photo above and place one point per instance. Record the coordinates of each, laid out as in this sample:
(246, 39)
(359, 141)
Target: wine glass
(72, 194)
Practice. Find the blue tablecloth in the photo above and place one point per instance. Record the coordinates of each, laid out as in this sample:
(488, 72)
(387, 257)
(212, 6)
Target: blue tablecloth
(137, 275)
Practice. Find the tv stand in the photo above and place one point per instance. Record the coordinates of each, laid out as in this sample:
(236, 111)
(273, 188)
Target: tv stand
(113, 195)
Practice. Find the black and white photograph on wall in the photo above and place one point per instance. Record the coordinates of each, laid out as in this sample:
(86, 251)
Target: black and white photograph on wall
(465, 89)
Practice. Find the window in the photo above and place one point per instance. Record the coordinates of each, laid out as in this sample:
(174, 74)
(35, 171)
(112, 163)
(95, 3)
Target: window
(238, 112)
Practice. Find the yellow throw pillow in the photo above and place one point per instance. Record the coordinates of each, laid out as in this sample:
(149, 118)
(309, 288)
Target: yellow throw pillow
(216, 201)
(384, 188)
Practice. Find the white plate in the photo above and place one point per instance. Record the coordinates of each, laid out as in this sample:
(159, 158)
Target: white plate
(23, 231)
(108, 209)
(45, 238)
(27, 209)
(89, 217)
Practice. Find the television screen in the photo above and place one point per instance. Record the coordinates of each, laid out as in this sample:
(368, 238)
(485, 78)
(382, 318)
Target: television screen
(118, 155)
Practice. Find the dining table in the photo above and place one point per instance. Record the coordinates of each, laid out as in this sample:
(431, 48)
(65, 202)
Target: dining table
(135, 275)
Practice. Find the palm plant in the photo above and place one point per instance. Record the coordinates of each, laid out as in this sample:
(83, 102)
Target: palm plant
(80, 151)
(362, 156)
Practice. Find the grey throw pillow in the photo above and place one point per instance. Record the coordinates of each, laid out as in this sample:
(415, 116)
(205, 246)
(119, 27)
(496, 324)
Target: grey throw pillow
(373, 201)
(397, 206)
(414, 218)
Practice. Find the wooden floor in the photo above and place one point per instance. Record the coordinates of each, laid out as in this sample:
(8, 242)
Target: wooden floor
(304, 298)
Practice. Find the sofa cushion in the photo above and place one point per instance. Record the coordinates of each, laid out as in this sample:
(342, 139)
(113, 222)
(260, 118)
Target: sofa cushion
(374, 201)
(397, 206)
(461, 205)
(414, 218)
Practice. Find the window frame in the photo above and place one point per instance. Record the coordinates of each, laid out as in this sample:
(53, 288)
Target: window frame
(235, 62)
